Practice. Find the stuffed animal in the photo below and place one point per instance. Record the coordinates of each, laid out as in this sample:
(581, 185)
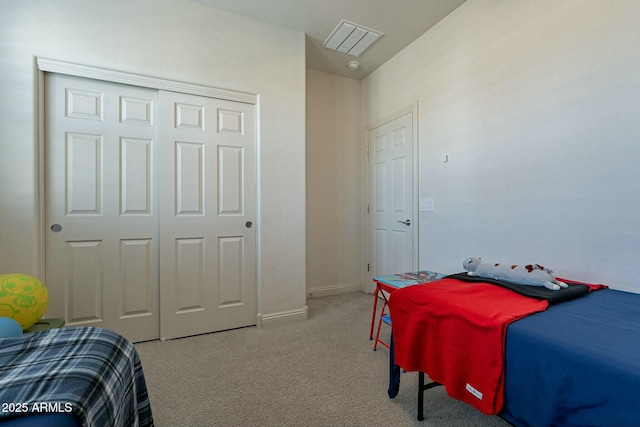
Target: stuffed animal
(532, 274)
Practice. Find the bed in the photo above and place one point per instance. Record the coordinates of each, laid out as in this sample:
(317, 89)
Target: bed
(573, 362)
(70, 377)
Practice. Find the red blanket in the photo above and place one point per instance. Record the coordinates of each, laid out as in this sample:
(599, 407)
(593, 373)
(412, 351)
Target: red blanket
(455, 331)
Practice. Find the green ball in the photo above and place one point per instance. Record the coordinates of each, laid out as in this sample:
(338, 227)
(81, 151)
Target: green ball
(22, 298)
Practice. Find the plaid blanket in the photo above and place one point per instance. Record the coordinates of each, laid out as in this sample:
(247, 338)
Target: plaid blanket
(92, 373)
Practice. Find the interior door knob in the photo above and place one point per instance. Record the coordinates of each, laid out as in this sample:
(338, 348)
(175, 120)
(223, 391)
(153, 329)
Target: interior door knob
(248, 224)
(407, 222)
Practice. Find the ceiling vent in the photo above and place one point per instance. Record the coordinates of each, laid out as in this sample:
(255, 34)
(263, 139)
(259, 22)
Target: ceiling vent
(351, 38)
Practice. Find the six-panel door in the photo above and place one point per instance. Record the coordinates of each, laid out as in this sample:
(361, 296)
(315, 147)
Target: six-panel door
(391, 207)
(148, 194)
(207, 200)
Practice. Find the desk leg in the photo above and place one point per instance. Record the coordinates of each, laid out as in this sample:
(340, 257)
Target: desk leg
(375, 307)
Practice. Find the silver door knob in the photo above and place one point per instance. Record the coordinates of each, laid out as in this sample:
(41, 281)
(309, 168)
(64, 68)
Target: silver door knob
(56, 228)
(407, 222)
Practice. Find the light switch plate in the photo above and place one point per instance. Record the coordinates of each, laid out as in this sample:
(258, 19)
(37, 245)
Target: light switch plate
(427, 204)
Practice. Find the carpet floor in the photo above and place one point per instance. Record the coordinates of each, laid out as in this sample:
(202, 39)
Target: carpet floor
(320, 372)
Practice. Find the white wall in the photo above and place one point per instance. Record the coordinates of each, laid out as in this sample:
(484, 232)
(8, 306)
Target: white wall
(537, 105)
(334, 255)
(177, 40)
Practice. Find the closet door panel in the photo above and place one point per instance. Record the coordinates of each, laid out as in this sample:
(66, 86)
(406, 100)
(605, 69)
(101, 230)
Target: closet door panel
(207, 214)
(101, 255)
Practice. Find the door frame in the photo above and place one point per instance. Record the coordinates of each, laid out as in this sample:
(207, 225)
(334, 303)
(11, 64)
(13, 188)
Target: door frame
(45, 65)
(367, 272)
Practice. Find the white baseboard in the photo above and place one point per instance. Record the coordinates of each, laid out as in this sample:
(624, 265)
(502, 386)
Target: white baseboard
(324, 291)
(282, 317)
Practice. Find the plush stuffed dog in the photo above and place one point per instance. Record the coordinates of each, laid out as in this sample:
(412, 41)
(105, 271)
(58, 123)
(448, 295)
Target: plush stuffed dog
(532, 274)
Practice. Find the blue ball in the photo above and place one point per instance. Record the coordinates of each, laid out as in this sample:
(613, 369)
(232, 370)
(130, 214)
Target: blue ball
(9, 328)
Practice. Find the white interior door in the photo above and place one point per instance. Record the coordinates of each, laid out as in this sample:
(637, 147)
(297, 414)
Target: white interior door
(391, 208)
(208, 214)
(101, 209)
(150, 208)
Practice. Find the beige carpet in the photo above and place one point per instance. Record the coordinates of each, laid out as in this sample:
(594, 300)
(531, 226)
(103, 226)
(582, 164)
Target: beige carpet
(321, 372)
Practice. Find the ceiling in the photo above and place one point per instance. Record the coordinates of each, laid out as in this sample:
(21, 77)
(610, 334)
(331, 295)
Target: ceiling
(401, 21)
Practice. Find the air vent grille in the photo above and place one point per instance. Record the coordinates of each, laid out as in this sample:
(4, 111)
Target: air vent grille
(350, 38)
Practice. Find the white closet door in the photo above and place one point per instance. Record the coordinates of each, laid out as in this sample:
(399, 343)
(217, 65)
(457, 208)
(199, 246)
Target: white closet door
(101, 206)
(207, 214)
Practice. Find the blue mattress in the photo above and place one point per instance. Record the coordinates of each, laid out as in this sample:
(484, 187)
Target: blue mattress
(576, 364)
